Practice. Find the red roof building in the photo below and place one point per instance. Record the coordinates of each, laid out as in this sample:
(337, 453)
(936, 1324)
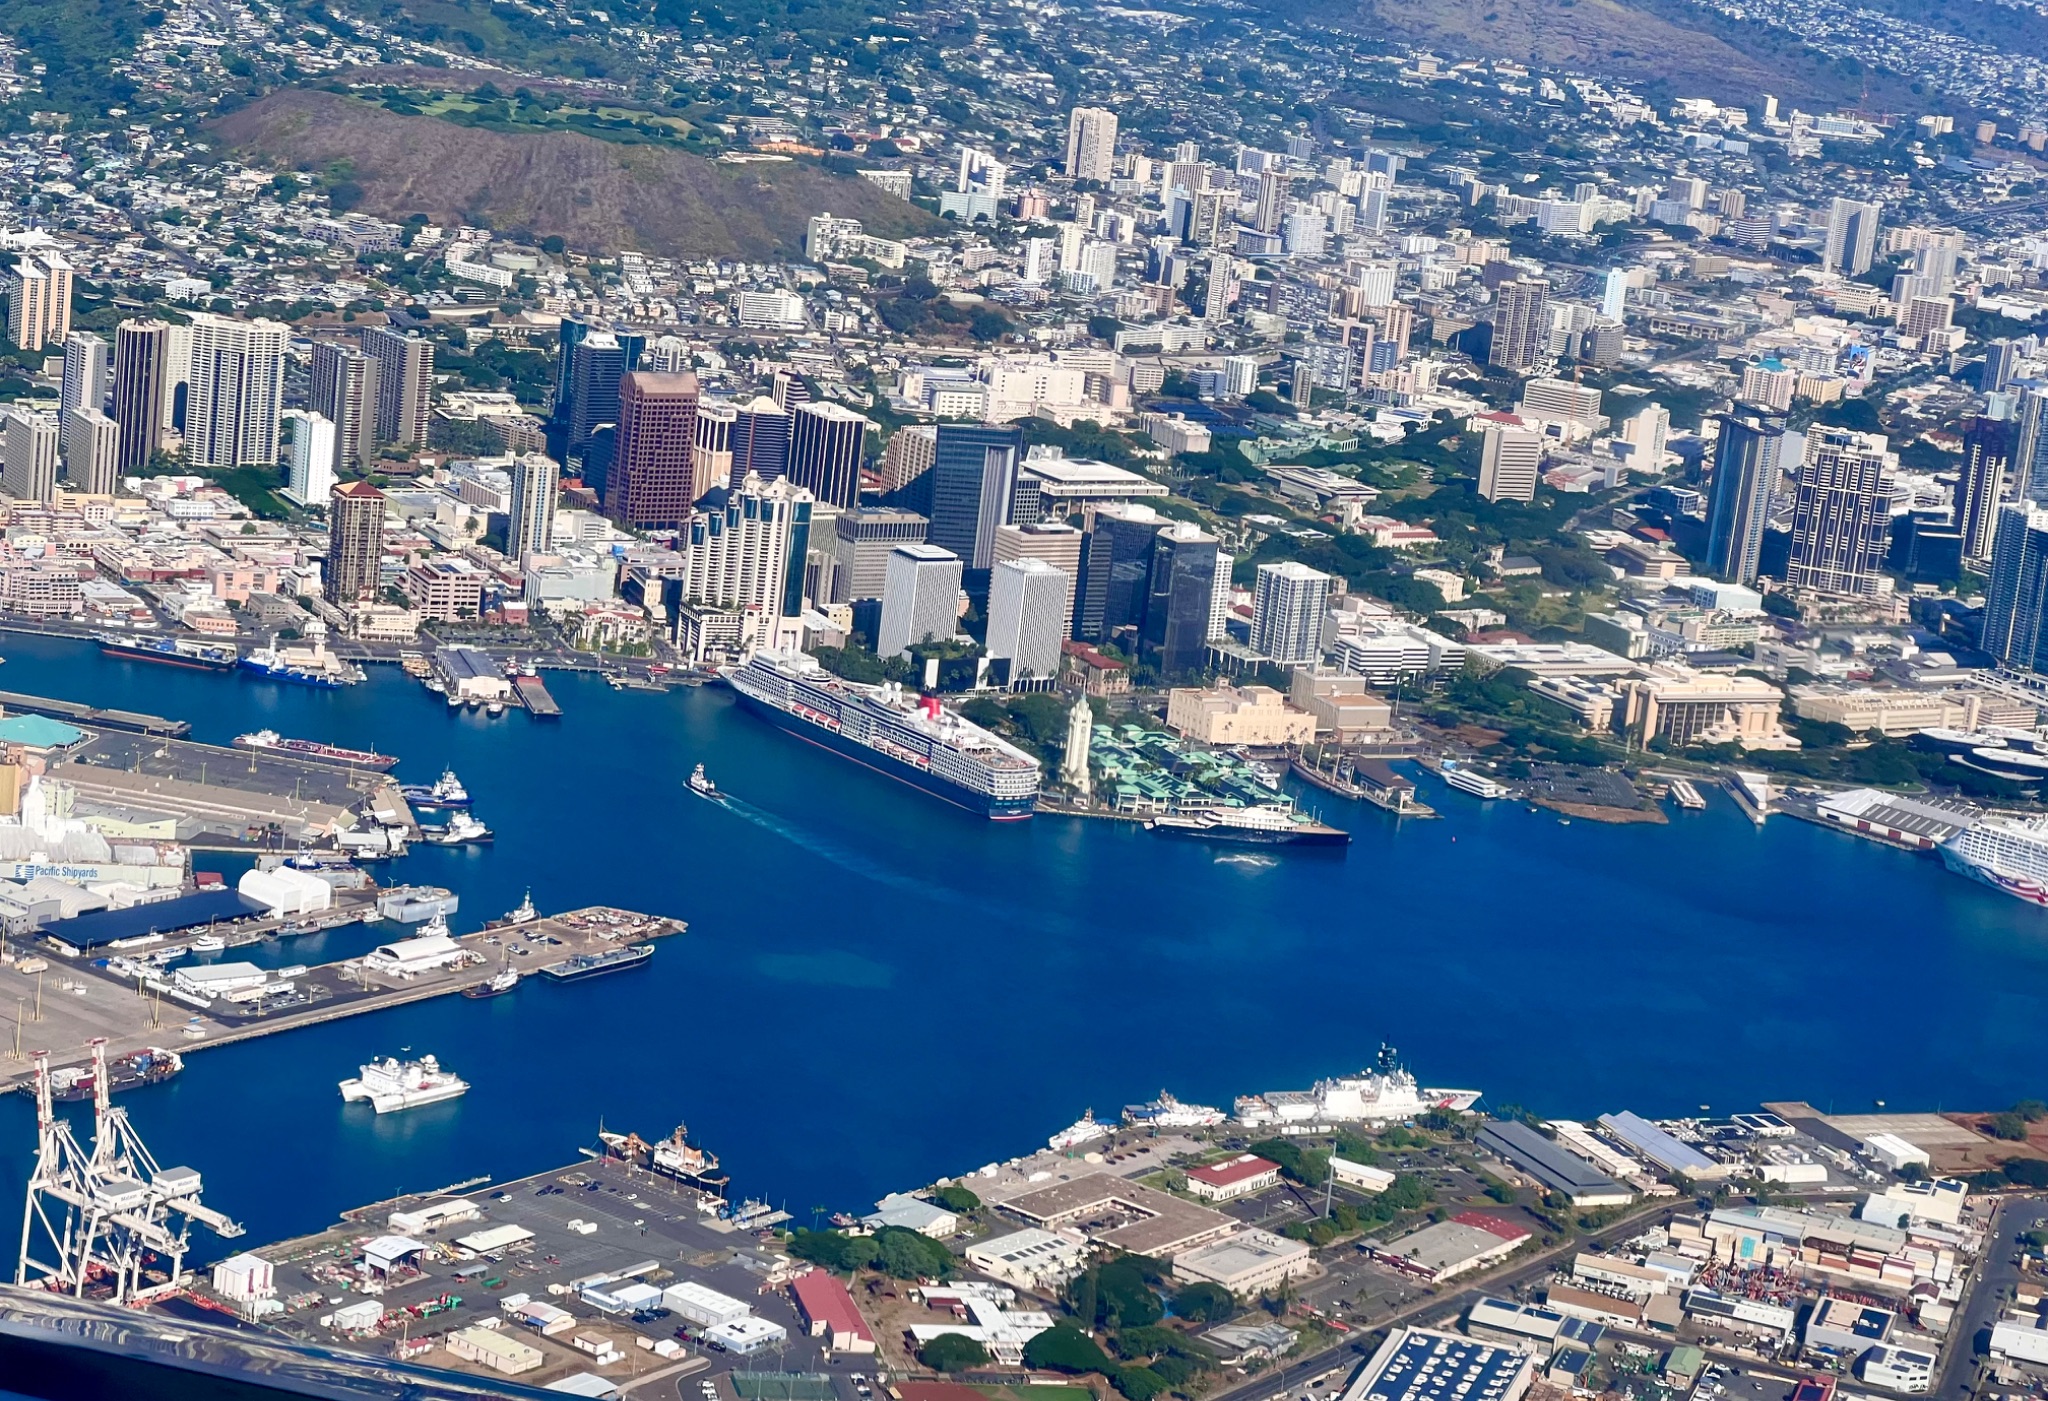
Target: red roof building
(1234, 1177)
(829, 1312)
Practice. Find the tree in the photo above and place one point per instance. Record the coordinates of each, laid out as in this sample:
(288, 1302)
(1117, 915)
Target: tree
(908, 1255)
(1065, 1348)
(957, 1199)
(1138, 1383)
(952, 1352)
(2008, 1126)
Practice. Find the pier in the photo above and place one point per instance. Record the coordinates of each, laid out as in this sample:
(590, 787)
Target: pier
(92, 717)
(533, 694)
(77, 1000)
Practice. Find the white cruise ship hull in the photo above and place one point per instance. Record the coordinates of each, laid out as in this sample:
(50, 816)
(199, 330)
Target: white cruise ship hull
(2034, 892)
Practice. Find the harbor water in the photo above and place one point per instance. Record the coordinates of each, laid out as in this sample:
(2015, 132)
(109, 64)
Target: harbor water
(877, 989)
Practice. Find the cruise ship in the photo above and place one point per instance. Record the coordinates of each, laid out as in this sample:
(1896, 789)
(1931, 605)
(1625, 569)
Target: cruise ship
(922, 744)
(173, 651)
(2005, 853)
(1383, 1094)
(392, 1084)
(2018, 756)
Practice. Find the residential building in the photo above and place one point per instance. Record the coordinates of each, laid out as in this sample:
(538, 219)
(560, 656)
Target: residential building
(342, 388)
(88, 373)
(826, 442)
(1746, 471)
(236, 396)
(1982, 484)
(1851, 244)
(140, 349)
(1510, 462)
(649, 482)
(309, 458)
(2015, 628)
(405, 384)
(1521, 325)
(28, 454)
(1841, 514)
(1055, 542)
(92, 451)
(743, 553)
(920, 598)
(39, 307)
(536, 485)
(1091, 144)
(1026, 602)
(1288, 603)
(355, 543)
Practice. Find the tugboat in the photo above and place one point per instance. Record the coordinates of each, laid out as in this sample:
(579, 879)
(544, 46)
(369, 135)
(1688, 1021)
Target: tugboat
(524, 914)
(500, 983)
(444, 792)
(462, 830)
(703, 787)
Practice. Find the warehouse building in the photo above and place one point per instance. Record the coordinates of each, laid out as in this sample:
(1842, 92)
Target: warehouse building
(1447, 1249)
(1523, 1325)
(1421, 1364)
(1127, 1215)
(746, 1336)
(1567, 1174)
(707, 1308)
(828, 1312)
(1247, 1263)
(1847, 1326)
(487, 1347)
(1643, 1138)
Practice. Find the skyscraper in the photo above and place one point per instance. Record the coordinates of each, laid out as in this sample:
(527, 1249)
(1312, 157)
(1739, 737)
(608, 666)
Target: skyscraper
(711, 464)
(1510, 462)
(649, 485)
(536, 482)
(2029, 419)
(342, 388)
(2001, 364)
(1179, 592)
(862, 541)
(1746, 467)
(1852, 236)
(740, 551)
(139, 348)
(973, 477)
(355, 542)
(405, 384)
(1614, 294)
(826, 441)
(1055, 542)
(28, 454)
(1841, 513)
(1288, 603)
(920, 598)
(2015, 630)
(237, 392)
(309, 460)
(760, 439)
(1116, 569)
(1982, 484)
(88, 372)
(1521, 325)
(595, 366)
(92, 451)
(907, 457)
(1026, 598)
(39, 310)
(1091, 144)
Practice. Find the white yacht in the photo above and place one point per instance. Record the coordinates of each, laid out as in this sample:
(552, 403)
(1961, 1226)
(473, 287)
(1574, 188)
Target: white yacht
(392, 1084)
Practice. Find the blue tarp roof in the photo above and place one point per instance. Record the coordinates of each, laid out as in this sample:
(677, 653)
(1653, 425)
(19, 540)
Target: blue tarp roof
(162, 917)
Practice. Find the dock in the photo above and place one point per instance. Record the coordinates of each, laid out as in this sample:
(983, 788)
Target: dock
(533, 694)
(133, 1017)
(1366, 780)
(91, 717)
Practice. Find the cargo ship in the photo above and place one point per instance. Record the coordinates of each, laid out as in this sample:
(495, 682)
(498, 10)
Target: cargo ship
(171, 651)
(152, 1066)
(591, 965)
(270, 741)
(2005, 853)
(392, 1084)
(922, 743)
(1268, 824)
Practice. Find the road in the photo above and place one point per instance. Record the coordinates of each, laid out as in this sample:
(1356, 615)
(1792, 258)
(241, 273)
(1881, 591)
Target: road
(1970, 1335)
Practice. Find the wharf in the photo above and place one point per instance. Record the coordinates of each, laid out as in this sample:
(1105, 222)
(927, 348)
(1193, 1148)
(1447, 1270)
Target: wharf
(533, 694)
(206, 786)
(133, 1019)
(92, 717)
(1386, 789)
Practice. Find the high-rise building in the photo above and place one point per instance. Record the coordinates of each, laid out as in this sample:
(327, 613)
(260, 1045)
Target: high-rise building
(28, 454)
(862, 541)
(88, 372)
(596, 364)
(1270, 203)
(1091, 144)
(405, 384)
(973, 478)
(1841, 513)
(536, 483)
(139, 350)
(1521, 325)
(1982, 485)
(1614, 294)
(826, 441)
(1747, 462)
(309, 458)
(236, 392)
(760, 439)
(1240, 375)
(787, 389)
(649, 485)
(711, 464)
(342, 388)
(1055, 542)
(1288, 603)
(1851, 244)
(741, 551)
(1179, 592)
(1510, 462)
(907, 457)
(355, 543)
(1025, 601)
(2001, 365)
(92, 451)
(920, 598)
(2029, 419)
(1116, 569)
(2015, 629)
(39, 308)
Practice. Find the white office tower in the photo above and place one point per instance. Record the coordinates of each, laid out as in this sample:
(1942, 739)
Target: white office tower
(536, 483)
(1074, 758)
(236, 397)
(92, 451)
(310, 458)
(1510, 463)
(1645, 433)
(88, 372)
(1614, 294)
(1219, 597)
(1372, 211)
(1026, 598)
(28, 454)
(1288, 603)
(1091, 144)
(1852, 236)
(920, 598)
(1240, 375)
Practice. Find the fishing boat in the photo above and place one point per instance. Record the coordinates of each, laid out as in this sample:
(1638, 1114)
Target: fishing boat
(495, 986)
(444, 792)
(209, 943)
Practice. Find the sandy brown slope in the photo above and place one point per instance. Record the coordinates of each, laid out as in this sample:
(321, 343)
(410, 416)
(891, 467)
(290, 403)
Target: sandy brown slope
(597, 195)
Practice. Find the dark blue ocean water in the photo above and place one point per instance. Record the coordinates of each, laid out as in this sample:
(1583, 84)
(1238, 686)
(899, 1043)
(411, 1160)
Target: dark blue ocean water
(877, 990)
